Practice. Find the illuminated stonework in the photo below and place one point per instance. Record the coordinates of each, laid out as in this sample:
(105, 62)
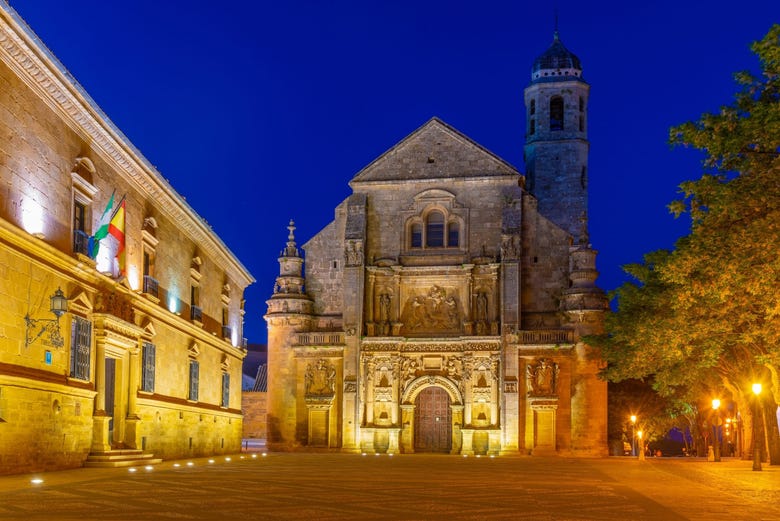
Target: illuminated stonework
(445, 306)
(137, 374)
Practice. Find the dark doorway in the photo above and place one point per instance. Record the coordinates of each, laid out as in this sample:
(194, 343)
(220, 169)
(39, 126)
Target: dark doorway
(110, 383)
(432, 421)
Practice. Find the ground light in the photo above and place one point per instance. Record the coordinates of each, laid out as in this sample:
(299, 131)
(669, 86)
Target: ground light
(36, 481)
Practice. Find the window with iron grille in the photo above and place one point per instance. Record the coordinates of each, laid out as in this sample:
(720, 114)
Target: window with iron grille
(80, 347)
(194, 374)
(225, 390)
(147, 370)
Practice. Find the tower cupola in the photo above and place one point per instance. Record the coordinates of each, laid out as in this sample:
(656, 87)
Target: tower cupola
(556, 63)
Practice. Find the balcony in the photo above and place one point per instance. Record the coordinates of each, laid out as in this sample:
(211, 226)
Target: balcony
(151, 286)
(335, 338)
(80, 242)
(227, 332)
(546, 336)
(196, 314)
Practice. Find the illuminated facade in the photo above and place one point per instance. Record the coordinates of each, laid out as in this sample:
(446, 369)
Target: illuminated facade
(147, 359)
(443, 309)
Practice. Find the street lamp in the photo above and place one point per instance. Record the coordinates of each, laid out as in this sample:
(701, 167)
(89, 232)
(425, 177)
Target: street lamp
(756, 448)
(633, 436)
(641, 446)
(58, 306)
(715, 426)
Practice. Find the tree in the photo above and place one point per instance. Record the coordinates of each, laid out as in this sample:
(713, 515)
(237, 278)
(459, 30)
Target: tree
(703, 318)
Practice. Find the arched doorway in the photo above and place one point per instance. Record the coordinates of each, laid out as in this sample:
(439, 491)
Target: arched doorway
(432, 421)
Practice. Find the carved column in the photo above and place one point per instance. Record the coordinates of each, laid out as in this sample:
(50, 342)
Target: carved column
(369, 379)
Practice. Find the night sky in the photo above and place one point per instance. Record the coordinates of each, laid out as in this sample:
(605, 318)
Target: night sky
(258, 112)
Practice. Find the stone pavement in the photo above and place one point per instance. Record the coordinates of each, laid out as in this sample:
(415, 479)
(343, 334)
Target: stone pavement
(327, 487)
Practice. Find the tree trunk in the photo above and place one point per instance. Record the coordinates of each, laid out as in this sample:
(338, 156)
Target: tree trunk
(769, 407)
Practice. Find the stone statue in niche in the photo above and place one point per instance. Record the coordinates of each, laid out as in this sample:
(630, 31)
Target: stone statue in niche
(434, 312)
(385, 301)
(320, 378)
(542, 377)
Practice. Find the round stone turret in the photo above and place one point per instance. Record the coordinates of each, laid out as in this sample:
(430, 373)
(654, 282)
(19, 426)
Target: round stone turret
(289, 296)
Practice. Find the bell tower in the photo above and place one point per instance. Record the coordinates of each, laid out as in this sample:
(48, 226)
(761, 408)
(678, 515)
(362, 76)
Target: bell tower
(556, 150)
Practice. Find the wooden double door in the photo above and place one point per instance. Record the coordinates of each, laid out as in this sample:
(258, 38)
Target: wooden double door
(433, 421)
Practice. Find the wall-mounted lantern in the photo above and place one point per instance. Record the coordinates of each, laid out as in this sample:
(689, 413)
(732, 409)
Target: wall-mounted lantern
(59, 306)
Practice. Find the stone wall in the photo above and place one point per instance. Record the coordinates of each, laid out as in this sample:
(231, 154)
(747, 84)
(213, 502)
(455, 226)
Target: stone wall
(254, 407)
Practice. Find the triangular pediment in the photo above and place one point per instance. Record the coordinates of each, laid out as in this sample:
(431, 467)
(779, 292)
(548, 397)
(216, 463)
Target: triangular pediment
(434, 151)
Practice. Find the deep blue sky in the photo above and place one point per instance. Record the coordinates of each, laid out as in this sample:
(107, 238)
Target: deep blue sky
(258, 112)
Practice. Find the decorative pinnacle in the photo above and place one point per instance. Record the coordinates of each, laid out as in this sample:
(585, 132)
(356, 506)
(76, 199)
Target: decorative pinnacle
(584, 236)
(291, 250)
(555, 32)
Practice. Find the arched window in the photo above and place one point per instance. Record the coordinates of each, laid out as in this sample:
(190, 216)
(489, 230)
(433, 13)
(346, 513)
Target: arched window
(556, 113)
(532, 127)
(453, 235)
(434, 230)
(416, 236)
(532, 107)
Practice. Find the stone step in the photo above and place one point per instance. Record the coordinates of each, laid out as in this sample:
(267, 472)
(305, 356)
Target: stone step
(121, 458)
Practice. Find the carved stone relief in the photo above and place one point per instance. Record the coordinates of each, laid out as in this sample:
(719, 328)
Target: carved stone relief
(353, 253)
(320, 378)
(434, 312)
(541, 377)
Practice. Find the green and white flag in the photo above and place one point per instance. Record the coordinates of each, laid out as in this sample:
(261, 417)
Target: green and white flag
(102, 228)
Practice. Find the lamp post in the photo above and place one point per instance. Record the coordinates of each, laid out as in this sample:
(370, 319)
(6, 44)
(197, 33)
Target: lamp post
(756, 448)
(641, 446)
(633, 436)
(715, 426)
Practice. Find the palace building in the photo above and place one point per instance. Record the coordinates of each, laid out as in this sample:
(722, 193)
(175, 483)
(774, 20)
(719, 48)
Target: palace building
(121, 326)
(444, 307)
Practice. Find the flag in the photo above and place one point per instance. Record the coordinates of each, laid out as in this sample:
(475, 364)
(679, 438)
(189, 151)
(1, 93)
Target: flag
(116, 228)
(102, 228)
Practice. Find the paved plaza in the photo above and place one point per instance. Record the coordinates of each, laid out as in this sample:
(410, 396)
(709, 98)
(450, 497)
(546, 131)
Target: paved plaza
(325, 487)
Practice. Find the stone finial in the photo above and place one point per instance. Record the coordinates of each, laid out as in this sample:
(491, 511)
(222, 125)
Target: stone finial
(291, 250)
(584, 239)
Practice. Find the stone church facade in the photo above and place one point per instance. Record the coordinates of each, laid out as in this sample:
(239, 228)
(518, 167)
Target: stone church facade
(443, 309)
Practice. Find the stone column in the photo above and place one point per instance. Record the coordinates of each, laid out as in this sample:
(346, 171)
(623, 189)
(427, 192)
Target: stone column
(100, 420)
(407, 428)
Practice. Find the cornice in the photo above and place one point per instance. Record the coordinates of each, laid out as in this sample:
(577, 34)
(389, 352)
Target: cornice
(37, 67)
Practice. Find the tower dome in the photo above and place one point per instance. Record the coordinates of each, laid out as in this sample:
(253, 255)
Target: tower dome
(556, 63)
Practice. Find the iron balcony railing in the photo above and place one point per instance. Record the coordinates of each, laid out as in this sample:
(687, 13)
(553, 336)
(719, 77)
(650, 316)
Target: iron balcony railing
(196, 313)
(80, 242)
(151, 286)
(227, 332)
